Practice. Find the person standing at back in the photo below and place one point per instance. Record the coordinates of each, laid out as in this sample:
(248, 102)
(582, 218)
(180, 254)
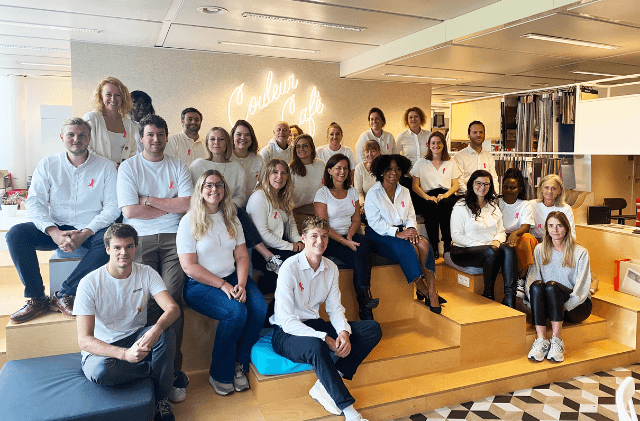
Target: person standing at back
(473, 157)
(187, 145)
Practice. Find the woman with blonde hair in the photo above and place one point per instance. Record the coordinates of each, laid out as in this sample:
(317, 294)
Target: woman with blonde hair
(550, 199)
(334, 146)
(270, 208)
(210, 244)
(558, 285)
(112, 131)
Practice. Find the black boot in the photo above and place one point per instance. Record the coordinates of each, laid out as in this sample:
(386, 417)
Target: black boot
(488, 291)
(365, 300)
(510, 276)
(509, 301)
(366, 314)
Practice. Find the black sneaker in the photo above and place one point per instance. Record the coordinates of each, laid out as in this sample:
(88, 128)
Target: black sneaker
(163, 411)
(181, 379)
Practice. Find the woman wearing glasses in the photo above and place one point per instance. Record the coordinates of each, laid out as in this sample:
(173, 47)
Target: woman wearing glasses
(479, 237)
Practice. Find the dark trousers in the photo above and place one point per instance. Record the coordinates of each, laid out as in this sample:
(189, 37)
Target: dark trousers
(437, 216)
(547, 301)
(158, 364)
(359, 260)
(268, 280)
(365, 335)
(251, 235)
(490, 259)
(24, 239)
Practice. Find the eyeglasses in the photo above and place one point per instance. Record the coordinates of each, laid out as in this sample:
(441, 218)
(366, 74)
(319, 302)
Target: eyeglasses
(302, 146)
(209, 186)
(481, 184)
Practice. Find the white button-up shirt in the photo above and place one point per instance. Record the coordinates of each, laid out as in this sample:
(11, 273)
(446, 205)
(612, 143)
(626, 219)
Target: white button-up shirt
(83, 197)
(470, 161)
(383, 216)
(299, 293)
(469, 231)
(413, 146)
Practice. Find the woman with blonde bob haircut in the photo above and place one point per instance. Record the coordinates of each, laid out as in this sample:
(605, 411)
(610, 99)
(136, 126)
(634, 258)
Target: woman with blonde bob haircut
(550, 199)
(113, 132)
(558, 285)
(212, 252)
(270, 208)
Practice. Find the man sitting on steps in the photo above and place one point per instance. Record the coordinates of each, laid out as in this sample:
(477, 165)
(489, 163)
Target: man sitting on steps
(305, 281)
(111, 310)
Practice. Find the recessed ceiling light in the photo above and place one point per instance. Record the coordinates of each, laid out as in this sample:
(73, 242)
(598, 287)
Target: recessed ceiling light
(212, 10)
(37, 25)
(419, 77)
(302, 21)
(24, 47)
(595, 74)
(479, 92)
(270, 47)
(45, 64)
(570, 41)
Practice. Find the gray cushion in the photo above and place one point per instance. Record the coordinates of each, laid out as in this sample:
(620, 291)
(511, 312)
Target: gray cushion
(55, 388)
(467, 270)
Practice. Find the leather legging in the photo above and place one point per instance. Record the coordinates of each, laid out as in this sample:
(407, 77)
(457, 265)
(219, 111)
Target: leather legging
(547, 300)
(490, 259)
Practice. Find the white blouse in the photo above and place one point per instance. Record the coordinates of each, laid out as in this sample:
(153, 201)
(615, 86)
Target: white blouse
(339, 211)
(413, 146)
(383, 216)
(469, 231)
(435, 178)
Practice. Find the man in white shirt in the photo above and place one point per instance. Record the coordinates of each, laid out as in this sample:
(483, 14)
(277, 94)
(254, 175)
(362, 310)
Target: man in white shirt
(473, 157)
(72, 200)
(187, 145)
(305, 281)
(278, 147)
(154, 191)
(111, 316)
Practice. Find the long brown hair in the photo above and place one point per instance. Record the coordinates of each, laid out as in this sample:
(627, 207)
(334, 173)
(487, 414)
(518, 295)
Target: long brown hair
(297, 167)
(445, 153)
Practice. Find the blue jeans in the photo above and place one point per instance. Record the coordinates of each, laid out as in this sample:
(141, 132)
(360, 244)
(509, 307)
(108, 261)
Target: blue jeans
(23, 241)
(158, 364)
(402, 252)
(365, 335)
(239, 323)
(359, 260)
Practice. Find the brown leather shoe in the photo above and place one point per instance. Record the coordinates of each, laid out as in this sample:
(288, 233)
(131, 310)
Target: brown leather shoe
(30, 310)
(64, 304)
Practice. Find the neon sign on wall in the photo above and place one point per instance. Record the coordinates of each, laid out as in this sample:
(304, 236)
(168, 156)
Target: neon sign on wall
(238, 109)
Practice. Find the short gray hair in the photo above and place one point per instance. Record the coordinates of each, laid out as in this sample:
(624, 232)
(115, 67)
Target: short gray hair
(75, 121)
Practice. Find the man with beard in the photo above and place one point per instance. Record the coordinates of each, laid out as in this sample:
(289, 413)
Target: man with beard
(473, 157)
(187, 145)
(72, 200)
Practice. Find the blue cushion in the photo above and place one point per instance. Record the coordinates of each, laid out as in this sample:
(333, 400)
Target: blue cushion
(55, 388)
(467, 270)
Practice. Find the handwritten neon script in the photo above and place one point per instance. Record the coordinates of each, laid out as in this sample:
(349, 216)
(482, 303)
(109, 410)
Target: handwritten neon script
(272, 93)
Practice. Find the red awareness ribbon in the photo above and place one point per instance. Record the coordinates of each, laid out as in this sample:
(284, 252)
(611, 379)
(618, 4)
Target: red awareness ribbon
(300, 285)
(171, 185)
(92, 181)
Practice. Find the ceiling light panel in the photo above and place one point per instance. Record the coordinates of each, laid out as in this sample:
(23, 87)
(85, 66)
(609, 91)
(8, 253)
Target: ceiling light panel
(283, 19)
(41, 26)
(542, 37)
(25, 47)
(419, 77)
(269, 47)
(44, 64)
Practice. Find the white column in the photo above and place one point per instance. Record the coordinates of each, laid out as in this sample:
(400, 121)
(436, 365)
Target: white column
(13, 151)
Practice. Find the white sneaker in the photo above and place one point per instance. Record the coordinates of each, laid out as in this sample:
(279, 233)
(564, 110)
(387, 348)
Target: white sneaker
(556, 350)
(274, 263)
(358, 418)
(178, 394)
(520, 283)
(320, 394)
(240, 381)
(539, 350)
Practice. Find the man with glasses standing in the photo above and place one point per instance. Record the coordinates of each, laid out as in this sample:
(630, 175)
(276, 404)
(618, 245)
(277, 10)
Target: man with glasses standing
(473, 157)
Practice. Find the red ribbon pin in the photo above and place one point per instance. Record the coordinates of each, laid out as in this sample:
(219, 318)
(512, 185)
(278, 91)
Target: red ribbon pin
(92, 181)
(171, 185)
(300, 285)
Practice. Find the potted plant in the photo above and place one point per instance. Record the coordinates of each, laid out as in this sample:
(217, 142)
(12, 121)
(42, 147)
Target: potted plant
(10, 203)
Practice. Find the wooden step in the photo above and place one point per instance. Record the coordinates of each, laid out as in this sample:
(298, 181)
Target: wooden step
(50, 334)
(449, 386)
(575, 334)
(407, 348)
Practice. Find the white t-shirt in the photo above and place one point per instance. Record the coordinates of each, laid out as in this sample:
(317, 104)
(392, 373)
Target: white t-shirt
(305, 188)
(432, 178)
(540, 213)
(119, 305)
(386, 141)
(166, 179)
(324, 152)
(252, 165)
(469, 231)
(339, 211)
(513, 216)
(215, 250)
(272, 150)
(232, 172)
(185, 149)
(413, 146)
(363, 181)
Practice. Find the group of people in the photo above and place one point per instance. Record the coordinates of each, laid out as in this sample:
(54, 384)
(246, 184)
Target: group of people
(198, 214)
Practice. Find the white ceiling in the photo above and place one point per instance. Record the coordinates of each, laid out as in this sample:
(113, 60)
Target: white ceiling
(477, 43)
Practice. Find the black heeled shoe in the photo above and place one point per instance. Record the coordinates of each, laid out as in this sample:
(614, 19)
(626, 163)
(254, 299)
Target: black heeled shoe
(365, 300)
(427, 302)
(436, 254)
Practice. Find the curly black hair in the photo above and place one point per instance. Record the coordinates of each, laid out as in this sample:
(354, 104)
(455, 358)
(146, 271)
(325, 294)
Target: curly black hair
(382, 163)
(515, 174)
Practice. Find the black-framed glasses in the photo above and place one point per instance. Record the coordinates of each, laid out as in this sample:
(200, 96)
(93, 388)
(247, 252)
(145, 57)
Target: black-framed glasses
(481, 184)
(209, 186)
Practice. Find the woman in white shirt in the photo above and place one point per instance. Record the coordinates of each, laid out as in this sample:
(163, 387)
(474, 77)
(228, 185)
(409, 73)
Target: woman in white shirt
(558, 286)
(435, 183)
(334, 146)
(385, 139)
(337, 202)
(550, 199)
(393, 228)
(517, 218)
(112, 131)
(270, 209)
(478, 236)
(245, 153)
(364, 178)
(414, 142)
(212, 253)
(306, 173)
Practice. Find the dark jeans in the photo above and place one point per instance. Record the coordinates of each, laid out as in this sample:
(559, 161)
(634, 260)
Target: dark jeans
(238, 327)
(158, 364)
(365, 335)
(547, 301)
(359, 260)
(437, 216)
(23, 241)
(251, 235)
(490, 259)
(267, 282)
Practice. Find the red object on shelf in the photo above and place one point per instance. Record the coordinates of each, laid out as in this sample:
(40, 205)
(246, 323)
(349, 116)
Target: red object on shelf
(638, 212)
